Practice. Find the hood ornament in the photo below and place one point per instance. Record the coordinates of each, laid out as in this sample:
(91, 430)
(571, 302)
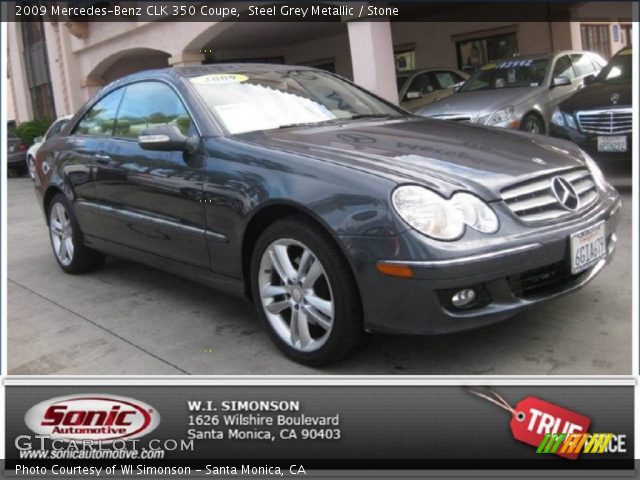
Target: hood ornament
(614, 98)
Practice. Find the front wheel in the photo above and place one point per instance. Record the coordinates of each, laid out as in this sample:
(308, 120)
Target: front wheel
(66, 239)
(533, 124)
(305, 293)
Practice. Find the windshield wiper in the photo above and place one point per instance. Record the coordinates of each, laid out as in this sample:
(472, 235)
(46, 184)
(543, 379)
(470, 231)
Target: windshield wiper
(308, 124)
(368, 115)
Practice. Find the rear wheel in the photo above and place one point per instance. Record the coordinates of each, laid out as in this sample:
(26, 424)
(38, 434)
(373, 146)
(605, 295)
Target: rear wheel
(533, 124)
(66, 239)
(305, 293)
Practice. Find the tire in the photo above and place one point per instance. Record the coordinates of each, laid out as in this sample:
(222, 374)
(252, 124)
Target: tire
(533, 124)
(64, 229)
(322, 293)
(31, 167)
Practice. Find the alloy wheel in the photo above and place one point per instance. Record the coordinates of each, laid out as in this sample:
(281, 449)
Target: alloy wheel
(61, 231)
(296, 294)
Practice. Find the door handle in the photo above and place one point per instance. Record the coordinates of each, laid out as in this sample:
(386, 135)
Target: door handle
(102, 158)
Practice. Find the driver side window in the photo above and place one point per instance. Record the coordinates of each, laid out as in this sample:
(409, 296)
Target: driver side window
(100, 119)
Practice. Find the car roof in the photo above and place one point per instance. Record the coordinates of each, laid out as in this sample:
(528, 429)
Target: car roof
(539, 56)
(177, 73)
(430, 69)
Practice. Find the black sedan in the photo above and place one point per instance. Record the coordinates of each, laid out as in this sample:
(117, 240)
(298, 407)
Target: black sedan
(599, 117)
(336, 212)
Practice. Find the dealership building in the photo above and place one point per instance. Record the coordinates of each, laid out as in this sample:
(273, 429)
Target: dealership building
(54, 67)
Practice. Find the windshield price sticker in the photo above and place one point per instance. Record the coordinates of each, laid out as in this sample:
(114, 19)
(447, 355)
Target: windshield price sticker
(516, 63)
(218, 78)
(268, 421)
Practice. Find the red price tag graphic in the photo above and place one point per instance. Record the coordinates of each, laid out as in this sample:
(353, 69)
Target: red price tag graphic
(534, 418)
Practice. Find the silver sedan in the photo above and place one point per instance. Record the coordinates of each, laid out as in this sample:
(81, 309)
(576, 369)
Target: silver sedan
(518, 93)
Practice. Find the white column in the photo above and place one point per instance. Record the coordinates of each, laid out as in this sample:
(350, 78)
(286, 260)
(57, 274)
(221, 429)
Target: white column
(372, 58)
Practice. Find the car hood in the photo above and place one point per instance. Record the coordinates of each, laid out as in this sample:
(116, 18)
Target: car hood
(444, 156)
(598, 95)
(478, 102)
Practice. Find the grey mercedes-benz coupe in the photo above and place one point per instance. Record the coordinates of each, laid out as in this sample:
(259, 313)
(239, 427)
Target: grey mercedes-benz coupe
(335, 211)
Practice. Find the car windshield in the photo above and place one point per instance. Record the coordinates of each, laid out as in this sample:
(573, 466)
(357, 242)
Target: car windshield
(251, 101)
(618, 70)
(508, 74)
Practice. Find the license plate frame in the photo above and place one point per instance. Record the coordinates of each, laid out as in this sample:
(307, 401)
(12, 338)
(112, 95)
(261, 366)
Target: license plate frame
(590, 243)
(612, 143)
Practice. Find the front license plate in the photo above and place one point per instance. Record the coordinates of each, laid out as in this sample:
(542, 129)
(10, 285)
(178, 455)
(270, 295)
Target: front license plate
(616, 143)
(587, 248)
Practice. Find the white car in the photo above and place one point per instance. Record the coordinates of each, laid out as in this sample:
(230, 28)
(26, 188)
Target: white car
(51, 132)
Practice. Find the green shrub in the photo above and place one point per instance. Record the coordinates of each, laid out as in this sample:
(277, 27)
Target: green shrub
(27, 131)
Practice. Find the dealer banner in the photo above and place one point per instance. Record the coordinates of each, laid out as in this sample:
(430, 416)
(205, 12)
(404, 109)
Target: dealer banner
(301, 430)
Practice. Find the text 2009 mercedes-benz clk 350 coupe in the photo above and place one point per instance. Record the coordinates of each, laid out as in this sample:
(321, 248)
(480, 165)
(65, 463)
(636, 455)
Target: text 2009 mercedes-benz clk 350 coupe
(335, 211)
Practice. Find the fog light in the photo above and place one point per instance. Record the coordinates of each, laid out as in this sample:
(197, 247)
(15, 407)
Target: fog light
(463, 298)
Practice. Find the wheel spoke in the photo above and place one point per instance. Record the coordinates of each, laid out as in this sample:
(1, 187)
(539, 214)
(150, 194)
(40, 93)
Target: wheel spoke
(56, 227)
(305, 263)
(316, 317)
(294, 337)
(303, 328)
(281, 262)
(60, 214)
(270, 291)
(312, 276)
(324, 306)
(69, 247)
(62, 250)
(277, 307)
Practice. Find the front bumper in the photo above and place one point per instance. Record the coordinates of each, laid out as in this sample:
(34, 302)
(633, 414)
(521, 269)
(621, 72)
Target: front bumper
(512, 270)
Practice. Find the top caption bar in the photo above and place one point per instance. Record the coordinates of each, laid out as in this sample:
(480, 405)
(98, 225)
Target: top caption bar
(292, 11)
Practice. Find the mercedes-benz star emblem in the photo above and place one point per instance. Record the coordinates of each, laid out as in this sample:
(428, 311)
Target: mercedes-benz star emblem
(565, 193)
(614, 98)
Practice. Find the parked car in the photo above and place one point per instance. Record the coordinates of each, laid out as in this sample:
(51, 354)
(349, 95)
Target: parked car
(518, 93)
(335, 211)
(417, 88)
(16, 152)
(51, 132)
(599, 117)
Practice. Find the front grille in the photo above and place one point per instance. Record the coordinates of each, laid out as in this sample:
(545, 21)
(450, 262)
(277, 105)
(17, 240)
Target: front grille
(543, 281)
(607, 122)
(533, 200)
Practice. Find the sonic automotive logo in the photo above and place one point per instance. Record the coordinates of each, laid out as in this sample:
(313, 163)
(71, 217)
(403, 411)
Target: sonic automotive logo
(97, 417)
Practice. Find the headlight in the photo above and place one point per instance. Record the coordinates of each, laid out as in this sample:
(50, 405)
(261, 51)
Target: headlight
(439, 218)
(563, 119)
(596, 173)
(502, 115)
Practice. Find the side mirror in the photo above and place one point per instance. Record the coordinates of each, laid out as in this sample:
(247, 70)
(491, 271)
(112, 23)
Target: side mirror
(38, 140)
(560, 82)
(457, 86)
(589, 79)
(167, 138)
(414, 95)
